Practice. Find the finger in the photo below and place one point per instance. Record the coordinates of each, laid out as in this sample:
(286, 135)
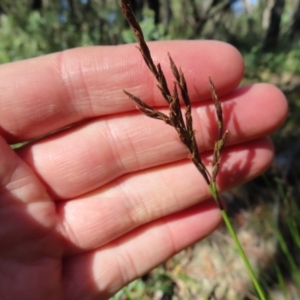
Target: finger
(108, 269)
(47, 93)
(81, 160)
(90, 221)
(19, 185)
(29, 243)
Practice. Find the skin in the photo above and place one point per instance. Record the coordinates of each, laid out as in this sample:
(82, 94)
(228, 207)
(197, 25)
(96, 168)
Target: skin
(91, 208)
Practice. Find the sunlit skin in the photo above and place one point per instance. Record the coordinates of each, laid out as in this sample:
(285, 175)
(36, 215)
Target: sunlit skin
(89, 209)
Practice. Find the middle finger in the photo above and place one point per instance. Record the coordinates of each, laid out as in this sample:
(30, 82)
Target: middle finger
(89, 156)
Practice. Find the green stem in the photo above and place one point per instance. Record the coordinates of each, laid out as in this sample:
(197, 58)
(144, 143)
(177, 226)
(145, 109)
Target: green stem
(243, 255)
(214, 192)
(240, 249)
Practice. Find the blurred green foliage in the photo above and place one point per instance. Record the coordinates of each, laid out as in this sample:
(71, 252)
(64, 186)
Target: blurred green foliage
(27, 31)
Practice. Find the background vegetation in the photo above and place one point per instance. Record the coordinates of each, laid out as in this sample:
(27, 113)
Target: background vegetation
(266, 211)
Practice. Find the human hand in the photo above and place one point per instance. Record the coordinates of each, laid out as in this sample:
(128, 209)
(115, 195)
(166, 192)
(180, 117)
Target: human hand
(88, 209)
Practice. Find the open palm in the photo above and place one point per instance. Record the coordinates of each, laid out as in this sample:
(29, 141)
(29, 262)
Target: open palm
(88, 209)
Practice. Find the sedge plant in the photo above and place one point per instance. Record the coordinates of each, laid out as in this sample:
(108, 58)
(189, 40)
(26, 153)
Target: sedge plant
(183, 124)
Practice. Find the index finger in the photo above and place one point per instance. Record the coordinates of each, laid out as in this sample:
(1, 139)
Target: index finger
(40, 95)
